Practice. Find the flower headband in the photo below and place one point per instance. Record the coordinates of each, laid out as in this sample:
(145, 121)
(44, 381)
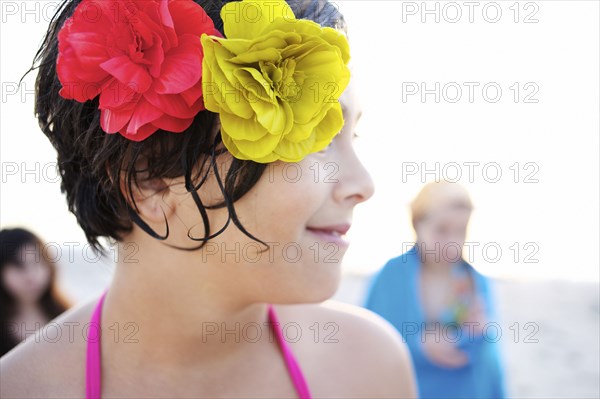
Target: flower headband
(274, 80)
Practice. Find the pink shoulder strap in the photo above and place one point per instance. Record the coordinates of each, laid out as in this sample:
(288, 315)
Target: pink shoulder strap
(93, 359)
(92, 362)
(290, 360)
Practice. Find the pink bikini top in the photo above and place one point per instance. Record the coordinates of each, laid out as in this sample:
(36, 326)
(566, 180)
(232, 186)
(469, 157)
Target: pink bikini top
(93, 364)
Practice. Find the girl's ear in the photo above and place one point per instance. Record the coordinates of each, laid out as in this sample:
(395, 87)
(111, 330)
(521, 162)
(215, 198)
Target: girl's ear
(151, 199)
(152, 196)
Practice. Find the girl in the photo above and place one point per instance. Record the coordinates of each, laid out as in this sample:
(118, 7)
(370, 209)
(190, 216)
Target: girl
(199, 137)
(29, 296)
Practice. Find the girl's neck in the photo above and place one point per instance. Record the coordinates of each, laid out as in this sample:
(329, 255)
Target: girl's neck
(179, 314)
(28, 307)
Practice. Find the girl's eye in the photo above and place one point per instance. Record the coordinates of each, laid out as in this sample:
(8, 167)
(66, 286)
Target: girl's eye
(324, 150)
(336, 137)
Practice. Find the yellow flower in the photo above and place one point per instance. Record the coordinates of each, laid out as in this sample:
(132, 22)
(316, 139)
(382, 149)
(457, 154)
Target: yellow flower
(275, 81)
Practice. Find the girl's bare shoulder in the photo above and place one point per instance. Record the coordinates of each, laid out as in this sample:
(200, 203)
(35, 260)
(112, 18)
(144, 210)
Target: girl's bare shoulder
(346, 350)
(343, 350)
(51, 362)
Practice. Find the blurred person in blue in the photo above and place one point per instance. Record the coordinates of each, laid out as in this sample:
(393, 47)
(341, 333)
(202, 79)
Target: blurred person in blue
(440, 304)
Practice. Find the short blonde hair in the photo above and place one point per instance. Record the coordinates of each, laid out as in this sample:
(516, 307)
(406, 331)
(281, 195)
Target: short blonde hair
(439, 195)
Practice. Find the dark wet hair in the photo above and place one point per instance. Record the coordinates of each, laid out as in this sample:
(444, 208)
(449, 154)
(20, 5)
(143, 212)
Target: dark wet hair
(52, 302)
(90, 161)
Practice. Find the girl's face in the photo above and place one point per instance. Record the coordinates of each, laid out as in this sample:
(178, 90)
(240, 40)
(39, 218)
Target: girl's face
(28, 281)
(302, 210)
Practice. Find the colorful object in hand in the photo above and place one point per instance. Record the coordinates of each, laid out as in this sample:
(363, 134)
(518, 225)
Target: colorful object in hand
(142, 57)
(275, 81)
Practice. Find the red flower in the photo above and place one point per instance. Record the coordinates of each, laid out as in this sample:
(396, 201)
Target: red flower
(144, 59)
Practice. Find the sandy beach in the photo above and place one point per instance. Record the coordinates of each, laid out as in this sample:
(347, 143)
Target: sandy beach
(550, 329)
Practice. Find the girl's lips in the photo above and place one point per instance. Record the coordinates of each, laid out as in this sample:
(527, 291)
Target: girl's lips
(333, 234)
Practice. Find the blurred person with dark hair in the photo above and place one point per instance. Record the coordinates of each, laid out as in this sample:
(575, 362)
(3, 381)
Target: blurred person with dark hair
(29, 297)
(439, 303)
